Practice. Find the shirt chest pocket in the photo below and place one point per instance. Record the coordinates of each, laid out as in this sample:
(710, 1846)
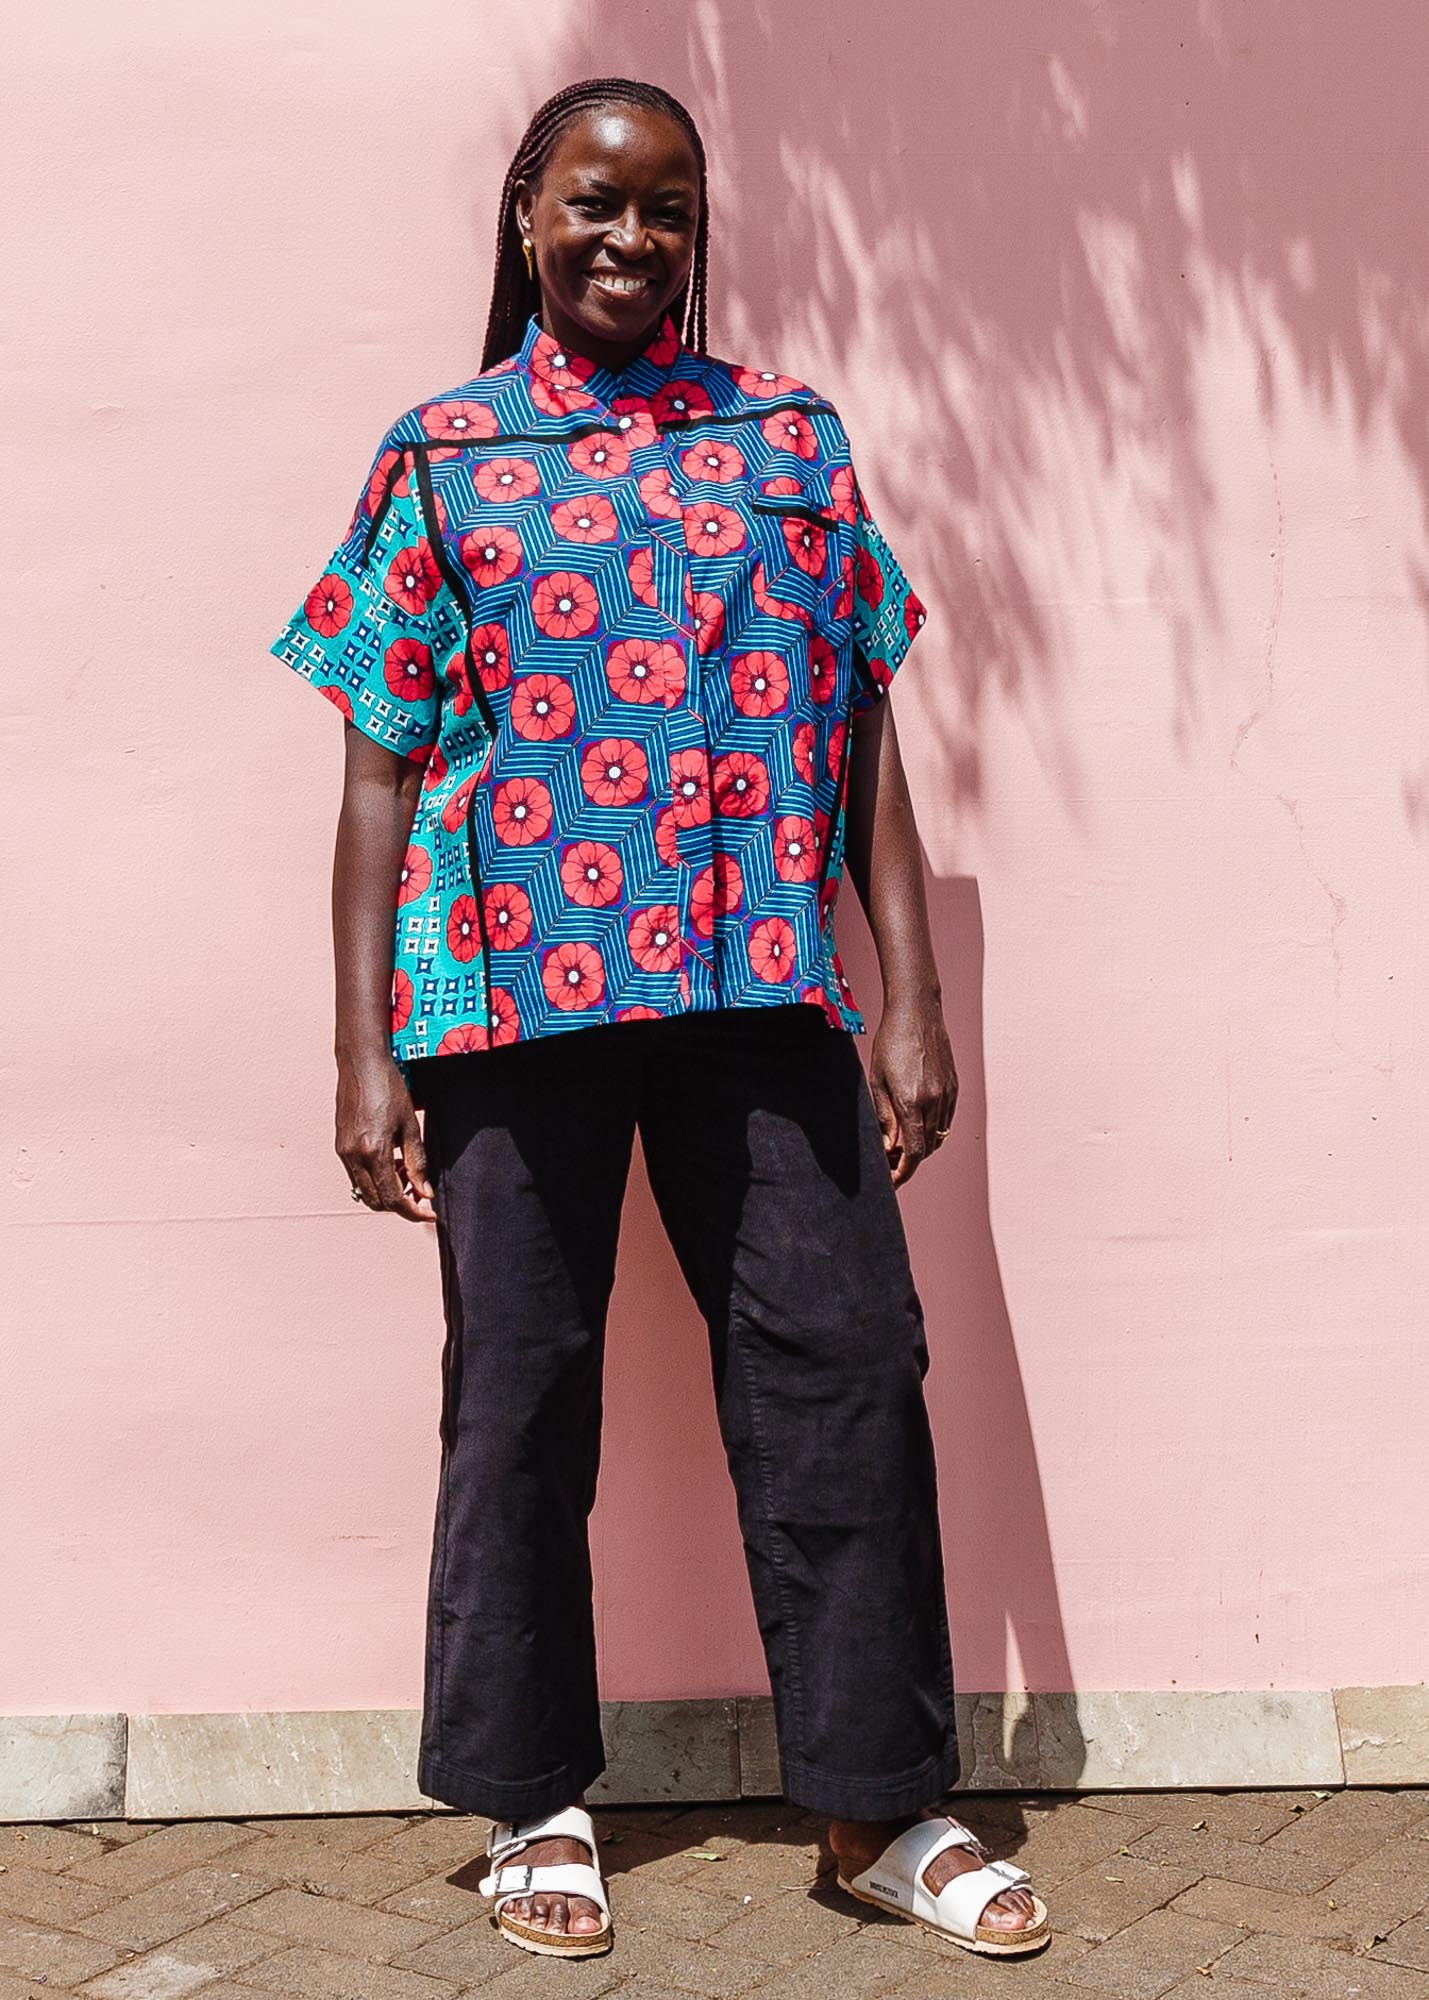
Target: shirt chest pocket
(804, 550)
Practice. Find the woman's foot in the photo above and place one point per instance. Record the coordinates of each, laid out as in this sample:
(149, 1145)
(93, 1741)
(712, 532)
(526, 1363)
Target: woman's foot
(857, 1844)
(575, 1916)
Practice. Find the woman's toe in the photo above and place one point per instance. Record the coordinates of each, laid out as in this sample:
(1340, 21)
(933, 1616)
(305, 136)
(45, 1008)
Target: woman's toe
(1012, 1910)
(585, 1917)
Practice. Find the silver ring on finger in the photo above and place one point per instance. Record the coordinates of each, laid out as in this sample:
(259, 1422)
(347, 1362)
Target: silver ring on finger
(356, 1193)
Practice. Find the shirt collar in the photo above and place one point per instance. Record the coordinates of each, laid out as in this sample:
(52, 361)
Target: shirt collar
(567, 380)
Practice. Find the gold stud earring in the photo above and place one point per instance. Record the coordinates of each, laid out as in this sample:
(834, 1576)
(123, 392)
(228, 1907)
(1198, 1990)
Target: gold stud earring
(530, 256)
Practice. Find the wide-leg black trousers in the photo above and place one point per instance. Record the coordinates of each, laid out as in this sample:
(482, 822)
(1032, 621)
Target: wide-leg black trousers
(765, 1159)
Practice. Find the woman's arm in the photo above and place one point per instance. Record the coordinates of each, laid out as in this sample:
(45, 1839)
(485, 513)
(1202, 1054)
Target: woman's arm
(376, 1120)
(912, 1075)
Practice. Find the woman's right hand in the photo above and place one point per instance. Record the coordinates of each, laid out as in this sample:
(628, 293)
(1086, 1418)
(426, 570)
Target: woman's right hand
(379, 1140)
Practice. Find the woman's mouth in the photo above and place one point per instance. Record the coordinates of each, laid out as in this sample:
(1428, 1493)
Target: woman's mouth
(617, 286)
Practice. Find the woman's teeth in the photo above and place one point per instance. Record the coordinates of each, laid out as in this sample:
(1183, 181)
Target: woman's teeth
(622, 287)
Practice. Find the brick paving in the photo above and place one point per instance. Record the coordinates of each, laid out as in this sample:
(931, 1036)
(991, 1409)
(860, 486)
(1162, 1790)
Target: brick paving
(1154, 1896)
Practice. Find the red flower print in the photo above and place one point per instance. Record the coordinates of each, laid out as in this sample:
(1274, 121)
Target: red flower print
(690, 785)
(381, 472)
(764, 382)
(785, 487)
(717, 891)
(416, 876)
(870, 579)
(614, 771)
(463, 929)
(880, 674)
(407, 669)
(437, 768)
(521, 811)
(552, 364)
(712, 460)
(796, 854)
(706, 617)
(501, 479)
(340, 699)
(491, 650)
(634, 420)
(591, 873)
(655, 938)
(712, 530)
(328, 605)
(645, 670)
(413, 578)
(640, 568)
(638, 1014)
(506, 1022)
(454, 811)
(667, 839)
(573, 975)
(456, 422)
(602, 455)
(559, 402)
(741, 785)
(665, 346)
(836, 748)
(658, 491)
(843, 491)
(777, 607)
(759, 683)
(823, 669)
(491, 555)
(588, 520)
(914, 615)
(789, 430)
(564, 605)
(681, 401)
(462, 1041)
(542, 706)
(771, 949)
(508, 915)
(802, 751)
(461, 687)
(402, 996)
(808, 545)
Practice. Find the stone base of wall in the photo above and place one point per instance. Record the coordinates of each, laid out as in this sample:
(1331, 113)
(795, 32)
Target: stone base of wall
(61, 1767)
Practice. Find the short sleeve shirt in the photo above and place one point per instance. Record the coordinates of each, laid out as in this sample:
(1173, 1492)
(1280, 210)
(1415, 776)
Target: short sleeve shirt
(624, 622)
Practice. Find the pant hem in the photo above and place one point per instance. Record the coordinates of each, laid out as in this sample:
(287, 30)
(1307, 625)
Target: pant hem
(844, 1797)
(499, 1798)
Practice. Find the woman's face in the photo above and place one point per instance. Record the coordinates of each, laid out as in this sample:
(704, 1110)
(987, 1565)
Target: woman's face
(612, 221)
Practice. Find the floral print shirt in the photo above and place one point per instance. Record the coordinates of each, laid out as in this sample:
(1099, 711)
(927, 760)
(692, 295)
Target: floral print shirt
(623, 621)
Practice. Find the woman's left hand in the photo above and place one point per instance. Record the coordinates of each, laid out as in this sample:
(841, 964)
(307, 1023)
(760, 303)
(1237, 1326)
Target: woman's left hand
(914, 1084)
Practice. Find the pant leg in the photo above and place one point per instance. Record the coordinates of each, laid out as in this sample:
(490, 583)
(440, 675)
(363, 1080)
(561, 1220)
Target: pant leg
(766, 1161)
(529, 1147)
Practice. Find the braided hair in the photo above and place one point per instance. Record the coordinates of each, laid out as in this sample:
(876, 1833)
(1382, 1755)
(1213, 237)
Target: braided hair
(515, 294)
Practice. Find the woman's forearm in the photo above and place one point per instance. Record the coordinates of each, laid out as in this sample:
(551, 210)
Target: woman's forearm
(379, 802)
(884, 861)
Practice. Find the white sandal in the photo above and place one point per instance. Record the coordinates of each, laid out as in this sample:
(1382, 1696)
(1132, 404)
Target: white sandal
(507, 1880)
(895, 1882)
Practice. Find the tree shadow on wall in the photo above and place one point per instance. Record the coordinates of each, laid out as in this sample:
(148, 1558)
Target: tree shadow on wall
(1024, 211)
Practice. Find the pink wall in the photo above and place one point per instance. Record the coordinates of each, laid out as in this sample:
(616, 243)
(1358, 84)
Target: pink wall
(1125, 306)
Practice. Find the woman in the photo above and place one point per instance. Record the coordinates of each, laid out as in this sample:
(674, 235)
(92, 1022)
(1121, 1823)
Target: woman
(611, 629)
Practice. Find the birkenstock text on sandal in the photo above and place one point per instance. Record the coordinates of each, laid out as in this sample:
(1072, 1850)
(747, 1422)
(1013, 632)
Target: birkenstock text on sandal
(895, 1883)
(510, 1880)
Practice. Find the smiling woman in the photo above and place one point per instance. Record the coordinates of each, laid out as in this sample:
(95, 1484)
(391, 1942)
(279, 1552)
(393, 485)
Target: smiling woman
(612, 629)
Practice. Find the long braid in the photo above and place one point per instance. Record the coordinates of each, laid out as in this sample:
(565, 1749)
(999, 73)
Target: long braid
(515, 295)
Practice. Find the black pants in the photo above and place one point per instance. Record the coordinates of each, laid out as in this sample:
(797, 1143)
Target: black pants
(765, 1159)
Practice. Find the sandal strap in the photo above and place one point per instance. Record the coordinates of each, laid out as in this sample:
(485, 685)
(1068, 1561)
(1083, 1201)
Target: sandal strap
(959, 1904)
(559, 1878)
(508, 1837)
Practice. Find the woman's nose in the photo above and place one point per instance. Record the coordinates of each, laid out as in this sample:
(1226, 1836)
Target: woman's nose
(628, 233)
